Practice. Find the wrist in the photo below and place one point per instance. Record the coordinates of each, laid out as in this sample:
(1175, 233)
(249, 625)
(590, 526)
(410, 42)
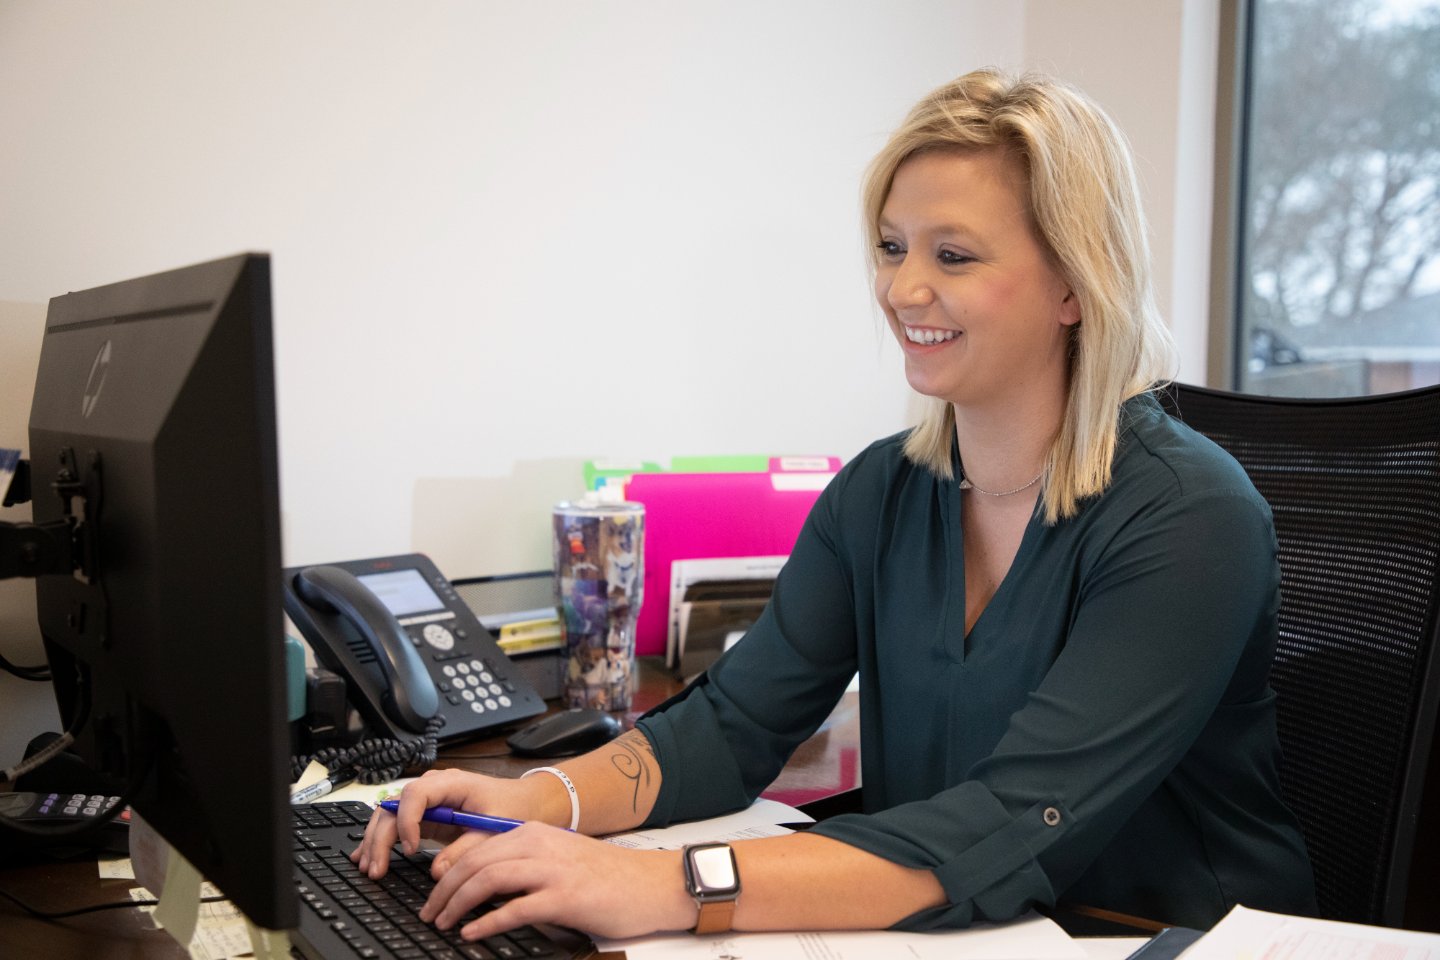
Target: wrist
(712, 880)
(554, 797)
(680, 911)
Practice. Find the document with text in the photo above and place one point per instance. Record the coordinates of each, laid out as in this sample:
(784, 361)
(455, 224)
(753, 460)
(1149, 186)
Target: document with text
(1246, 934)
(1031, 937)
(763, 818)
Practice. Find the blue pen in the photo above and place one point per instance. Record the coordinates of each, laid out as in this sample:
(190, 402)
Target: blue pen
(459, 818)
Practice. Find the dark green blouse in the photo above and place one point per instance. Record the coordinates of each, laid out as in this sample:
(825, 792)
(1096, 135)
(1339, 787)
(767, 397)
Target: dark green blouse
(1105, 734)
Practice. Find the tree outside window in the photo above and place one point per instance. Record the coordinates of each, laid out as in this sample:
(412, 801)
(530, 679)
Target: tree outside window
(1340, 247)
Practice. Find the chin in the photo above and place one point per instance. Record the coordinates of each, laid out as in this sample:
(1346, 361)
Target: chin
(928, 387)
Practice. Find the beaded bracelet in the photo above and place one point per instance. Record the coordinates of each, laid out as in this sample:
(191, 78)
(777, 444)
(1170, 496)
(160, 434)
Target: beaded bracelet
(569, 788)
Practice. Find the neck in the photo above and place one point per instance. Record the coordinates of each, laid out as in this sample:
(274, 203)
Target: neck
(1004, 447)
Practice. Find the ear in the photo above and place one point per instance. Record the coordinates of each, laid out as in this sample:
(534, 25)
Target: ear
(1069, 309)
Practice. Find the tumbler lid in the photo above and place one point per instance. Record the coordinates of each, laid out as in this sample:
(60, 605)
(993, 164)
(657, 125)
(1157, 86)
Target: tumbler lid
(588, 506)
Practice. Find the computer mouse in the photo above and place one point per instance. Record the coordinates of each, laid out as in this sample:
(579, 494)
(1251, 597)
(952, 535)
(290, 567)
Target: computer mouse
(564, 734)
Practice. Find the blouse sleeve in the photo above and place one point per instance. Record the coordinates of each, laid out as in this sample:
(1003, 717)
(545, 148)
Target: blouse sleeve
(1161, 623)
(726, 737)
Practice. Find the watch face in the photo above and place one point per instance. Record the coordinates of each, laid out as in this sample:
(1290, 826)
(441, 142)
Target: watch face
(714, 870)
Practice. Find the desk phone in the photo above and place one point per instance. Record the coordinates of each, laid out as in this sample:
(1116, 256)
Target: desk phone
(62, 809)
(408, 647)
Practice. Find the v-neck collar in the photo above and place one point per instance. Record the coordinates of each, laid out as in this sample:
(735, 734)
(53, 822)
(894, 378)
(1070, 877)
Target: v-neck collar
(957, 639)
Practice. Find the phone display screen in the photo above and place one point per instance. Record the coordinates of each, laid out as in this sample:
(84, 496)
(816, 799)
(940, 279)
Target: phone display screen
(402, 591)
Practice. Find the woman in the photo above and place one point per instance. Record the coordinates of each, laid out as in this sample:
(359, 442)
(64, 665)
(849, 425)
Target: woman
(1060, 601)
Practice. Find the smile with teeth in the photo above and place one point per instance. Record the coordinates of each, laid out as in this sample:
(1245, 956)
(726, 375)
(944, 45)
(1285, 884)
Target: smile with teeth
(928, 335)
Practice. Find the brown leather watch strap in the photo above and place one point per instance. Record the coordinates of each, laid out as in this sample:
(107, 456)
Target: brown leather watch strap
(715, 916)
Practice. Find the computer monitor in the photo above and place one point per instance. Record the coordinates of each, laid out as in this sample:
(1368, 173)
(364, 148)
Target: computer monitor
(153, 425)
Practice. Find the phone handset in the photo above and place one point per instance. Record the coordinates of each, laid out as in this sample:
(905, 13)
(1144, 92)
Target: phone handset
(410, 698)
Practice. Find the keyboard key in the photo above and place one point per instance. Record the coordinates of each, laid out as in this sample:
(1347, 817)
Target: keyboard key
(504, 948)
(534, 943)
(379, 918)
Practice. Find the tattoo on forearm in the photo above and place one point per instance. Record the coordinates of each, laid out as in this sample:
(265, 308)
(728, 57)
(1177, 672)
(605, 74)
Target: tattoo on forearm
(632, 760)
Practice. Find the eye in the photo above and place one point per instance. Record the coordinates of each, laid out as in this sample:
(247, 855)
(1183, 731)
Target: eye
(954, 257)
(890, 249)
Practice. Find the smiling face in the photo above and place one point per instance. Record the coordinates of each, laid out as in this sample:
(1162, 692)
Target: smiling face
(980, 313)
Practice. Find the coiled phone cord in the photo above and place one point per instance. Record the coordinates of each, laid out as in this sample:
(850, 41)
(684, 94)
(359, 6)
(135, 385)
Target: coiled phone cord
(378, 760)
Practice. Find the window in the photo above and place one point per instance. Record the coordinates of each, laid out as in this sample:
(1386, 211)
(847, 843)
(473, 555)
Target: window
(1339, 223)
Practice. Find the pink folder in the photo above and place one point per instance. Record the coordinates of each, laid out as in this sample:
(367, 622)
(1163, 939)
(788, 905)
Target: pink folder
(692, 516)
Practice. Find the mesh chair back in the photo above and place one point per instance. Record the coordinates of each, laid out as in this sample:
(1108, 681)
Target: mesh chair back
(1354, 485)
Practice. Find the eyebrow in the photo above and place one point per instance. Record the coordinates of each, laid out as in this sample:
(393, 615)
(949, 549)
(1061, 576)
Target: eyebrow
(944, 230)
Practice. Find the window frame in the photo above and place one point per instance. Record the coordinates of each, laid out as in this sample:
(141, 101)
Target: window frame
(1228, 339)
(1232, 93)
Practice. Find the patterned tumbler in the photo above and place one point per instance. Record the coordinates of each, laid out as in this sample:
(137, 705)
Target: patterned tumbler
(599, 581)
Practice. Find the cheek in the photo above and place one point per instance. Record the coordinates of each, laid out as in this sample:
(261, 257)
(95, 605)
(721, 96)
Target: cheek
(998, 296)
(1023, 307)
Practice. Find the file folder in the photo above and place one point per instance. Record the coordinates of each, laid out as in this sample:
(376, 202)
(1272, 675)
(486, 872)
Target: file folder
(692, 516)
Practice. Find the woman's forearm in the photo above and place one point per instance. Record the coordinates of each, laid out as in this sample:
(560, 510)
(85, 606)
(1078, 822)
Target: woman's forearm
(809, 882)
(615, 786)
(793, 882)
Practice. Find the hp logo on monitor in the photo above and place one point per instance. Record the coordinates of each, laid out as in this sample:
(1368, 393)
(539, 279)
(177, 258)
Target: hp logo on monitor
(98, 369)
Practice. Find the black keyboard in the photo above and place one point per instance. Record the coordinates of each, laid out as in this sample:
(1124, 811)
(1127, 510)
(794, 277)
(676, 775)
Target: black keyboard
(345, 914)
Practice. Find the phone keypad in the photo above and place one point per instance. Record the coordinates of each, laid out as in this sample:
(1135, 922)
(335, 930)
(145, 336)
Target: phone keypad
(75, 804)
(474, 682)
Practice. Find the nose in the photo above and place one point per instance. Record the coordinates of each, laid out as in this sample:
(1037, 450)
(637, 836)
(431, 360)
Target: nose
(907, 287)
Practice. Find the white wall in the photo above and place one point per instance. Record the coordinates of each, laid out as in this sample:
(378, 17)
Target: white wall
(1152, 65)
(506, 237)
(510, 237)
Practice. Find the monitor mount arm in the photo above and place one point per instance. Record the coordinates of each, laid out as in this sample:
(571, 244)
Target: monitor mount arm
(64, 546)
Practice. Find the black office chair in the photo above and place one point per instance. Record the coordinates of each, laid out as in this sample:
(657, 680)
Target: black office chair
(1354, 485)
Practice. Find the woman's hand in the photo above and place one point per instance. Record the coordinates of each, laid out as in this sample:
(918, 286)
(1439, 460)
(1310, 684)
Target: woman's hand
(517, 799)
(555, 876)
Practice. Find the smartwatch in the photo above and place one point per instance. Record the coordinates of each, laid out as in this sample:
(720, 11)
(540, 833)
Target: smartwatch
(713, 880)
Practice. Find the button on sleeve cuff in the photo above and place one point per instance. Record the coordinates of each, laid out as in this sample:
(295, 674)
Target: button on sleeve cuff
(984, 857)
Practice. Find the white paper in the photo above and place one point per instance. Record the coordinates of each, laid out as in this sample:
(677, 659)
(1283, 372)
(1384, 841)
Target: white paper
(685, 572)
(371, 793)
(1030, 938)
(1111, 948)
(268, 944)
(115, 868)
(1247, 934)
(220, 930)
(761, 819)
(800, 481)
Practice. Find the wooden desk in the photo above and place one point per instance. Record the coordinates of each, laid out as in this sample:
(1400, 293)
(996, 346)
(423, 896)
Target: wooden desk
(825, 765)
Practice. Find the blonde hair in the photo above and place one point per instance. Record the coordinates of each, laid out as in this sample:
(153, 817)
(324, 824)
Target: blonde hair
(1084, 204)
